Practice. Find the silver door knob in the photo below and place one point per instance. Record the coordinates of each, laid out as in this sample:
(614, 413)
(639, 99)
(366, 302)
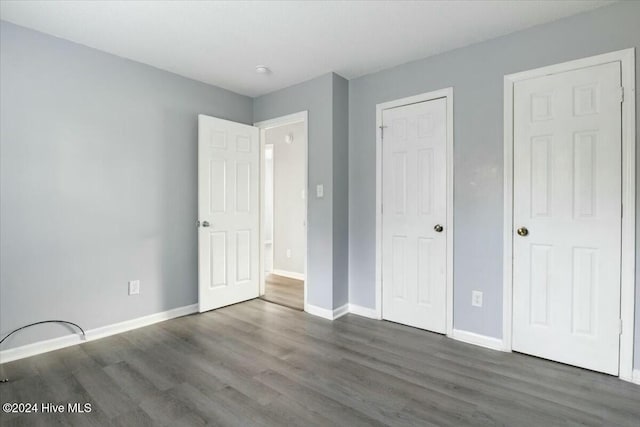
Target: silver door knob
(438, 228)
(206, 224)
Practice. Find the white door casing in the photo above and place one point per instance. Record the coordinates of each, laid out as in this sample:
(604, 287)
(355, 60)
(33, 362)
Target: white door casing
(263, 126)
(567, 191)
(414, 195)
(228, 212)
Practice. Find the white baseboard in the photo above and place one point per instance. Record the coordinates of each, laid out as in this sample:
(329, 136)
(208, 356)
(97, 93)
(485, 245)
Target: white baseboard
(635, 376)
(325, 313)
(477, 339)
(28, 350)
(363, 311)
(341, 311)
(289, 274)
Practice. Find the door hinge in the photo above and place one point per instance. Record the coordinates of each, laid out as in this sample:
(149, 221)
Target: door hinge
(382, 131)
(619, 326)
(621, 93)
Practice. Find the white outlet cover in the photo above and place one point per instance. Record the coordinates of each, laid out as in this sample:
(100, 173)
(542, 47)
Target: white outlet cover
(319, 191)
(134, 287)
(476, 298)
(288, 253)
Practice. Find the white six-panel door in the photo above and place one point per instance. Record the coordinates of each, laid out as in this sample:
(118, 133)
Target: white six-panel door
(567, 217)
(414, 197)
(228, 212)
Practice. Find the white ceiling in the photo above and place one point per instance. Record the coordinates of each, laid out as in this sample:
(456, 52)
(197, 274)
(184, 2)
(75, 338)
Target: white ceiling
(221, 42)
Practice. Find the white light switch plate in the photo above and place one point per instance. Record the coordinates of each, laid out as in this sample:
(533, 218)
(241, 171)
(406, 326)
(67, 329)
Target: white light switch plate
(319, 191)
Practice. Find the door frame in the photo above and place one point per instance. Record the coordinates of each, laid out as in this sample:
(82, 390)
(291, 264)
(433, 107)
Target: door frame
(429, 96)
(263, 126)
(628, 254)
(262, 200)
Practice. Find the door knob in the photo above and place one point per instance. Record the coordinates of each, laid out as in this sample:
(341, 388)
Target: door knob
(438, 228)
(522, 231)
(206, 224)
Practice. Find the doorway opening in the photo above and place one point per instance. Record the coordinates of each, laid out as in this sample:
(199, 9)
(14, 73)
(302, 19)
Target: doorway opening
(283, 210)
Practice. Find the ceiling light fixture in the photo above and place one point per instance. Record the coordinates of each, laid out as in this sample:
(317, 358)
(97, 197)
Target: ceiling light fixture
(262, 69)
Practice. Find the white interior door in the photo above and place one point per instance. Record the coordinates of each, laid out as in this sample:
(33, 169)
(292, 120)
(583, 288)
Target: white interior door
(228, 212)
(567, 217)
(414, 196)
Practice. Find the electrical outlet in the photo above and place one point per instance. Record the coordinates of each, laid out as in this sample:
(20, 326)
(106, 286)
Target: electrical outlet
(288, 253)
(134, 287)
(476, 298)
(319, 191)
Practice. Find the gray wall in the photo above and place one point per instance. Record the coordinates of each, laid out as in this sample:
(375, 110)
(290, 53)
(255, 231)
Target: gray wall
(476, 73)
(97, 184)
(86, 137)
(340, 191)
(317, 97)
(289, 167)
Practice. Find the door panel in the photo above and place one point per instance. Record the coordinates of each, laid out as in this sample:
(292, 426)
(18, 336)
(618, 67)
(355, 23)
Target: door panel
(228, 159)
(567, 194)
(218, 244)
(414, 199)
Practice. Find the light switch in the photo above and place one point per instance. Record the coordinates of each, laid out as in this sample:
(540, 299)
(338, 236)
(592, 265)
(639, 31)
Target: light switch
(319, 191)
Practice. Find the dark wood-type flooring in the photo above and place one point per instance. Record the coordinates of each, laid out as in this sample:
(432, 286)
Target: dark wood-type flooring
(284, 291)
(258, 363)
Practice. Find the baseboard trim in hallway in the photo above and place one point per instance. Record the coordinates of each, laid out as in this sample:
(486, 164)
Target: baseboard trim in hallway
(46, 346)
(288, 274)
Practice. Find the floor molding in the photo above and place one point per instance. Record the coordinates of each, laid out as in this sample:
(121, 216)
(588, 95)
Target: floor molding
(326, 313)
(359, 310)
(45, 346)
(289, 274)
(477, 339)
(341, 311)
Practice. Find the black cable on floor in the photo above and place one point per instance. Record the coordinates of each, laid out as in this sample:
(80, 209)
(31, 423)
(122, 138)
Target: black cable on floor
(41, 322)
(84, 335)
